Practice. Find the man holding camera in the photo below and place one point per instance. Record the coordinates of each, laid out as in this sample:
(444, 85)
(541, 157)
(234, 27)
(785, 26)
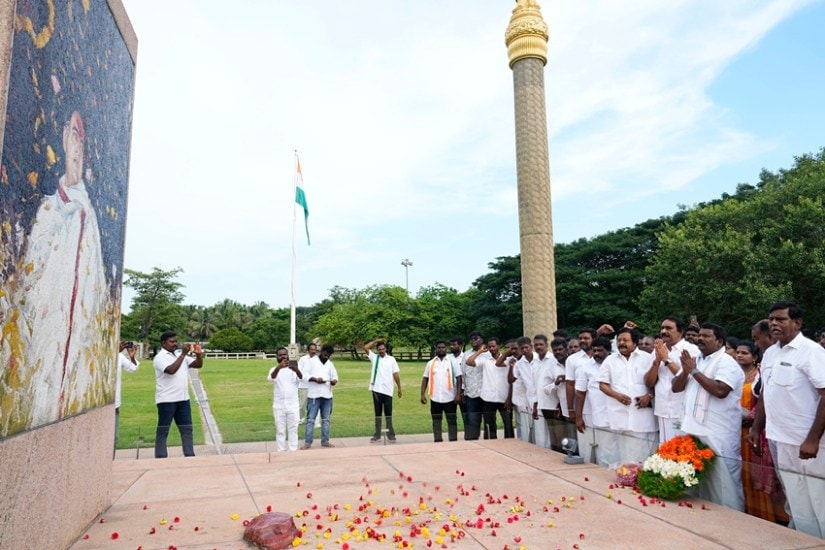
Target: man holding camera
(172, 391)
(130, 364)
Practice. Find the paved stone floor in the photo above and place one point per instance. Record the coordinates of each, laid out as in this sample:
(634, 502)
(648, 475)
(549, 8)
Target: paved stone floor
(482, 494)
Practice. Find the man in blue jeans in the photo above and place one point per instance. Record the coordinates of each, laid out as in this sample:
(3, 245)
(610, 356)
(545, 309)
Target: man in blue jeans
(172, 391)
(321, 377)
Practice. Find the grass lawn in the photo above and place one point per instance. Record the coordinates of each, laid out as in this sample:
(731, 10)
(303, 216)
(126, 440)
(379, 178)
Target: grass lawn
(241, 400)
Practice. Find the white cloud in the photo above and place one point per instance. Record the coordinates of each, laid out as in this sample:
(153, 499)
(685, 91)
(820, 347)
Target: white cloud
(403, 116)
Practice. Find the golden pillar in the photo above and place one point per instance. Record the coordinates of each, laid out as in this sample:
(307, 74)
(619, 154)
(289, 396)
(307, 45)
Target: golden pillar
(526, 40)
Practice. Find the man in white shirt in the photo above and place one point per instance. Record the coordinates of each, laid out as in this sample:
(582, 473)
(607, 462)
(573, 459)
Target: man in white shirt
(622, 379)
(285, 403)
(321, 377)
(303, 385)
(495, 389)
(442, 382)
(471, 384)
(126, 363)
(548, 377)
(668, 406)
(591, 409)
(792, 408)
(523, 391)
(574, 360)
(385, 371)
(713, 387)
(172, 391)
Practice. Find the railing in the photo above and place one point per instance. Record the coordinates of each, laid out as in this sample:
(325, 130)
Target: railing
(399, 355)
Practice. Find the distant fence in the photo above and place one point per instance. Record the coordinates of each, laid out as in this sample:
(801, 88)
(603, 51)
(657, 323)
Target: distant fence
(348, 353)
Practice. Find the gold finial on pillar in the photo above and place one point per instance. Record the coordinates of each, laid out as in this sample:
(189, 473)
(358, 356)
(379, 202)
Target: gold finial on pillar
(527, 34)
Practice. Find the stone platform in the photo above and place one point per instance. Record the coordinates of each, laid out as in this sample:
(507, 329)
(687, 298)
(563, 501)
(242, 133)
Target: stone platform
(481, 494)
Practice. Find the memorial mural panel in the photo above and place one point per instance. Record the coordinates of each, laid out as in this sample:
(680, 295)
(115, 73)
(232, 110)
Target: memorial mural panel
(63, 195)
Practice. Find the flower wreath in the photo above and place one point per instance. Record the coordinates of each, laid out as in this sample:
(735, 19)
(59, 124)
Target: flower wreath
(679, 463)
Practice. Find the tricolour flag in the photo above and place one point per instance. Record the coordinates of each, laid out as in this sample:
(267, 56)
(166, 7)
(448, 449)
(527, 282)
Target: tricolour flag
(300, 196)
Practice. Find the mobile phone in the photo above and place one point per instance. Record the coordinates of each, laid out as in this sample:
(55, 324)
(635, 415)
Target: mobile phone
(130, 345)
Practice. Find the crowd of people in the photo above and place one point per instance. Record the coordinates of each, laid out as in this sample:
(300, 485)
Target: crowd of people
(758, 404)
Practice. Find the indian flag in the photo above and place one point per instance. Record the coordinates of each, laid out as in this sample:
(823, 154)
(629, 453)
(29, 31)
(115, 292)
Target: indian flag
(300, 196)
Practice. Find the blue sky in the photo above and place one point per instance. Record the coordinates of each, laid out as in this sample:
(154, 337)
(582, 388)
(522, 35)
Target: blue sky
(402, 113)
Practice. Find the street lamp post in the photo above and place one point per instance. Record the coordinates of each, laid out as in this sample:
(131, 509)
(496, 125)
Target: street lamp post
(407, 263)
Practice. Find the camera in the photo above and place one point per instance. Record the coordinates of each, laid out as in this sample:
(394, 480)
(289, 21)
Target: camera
(130, 345)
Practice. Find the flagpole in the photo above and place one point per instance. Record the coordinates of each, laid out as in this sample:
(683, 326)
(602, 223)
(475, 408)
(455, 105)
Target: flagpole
(293, 346)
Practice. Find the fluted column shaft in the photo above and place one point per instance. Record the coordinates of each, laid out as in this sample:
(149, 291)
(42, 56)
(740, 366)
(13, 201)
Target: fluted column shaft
(538, 270)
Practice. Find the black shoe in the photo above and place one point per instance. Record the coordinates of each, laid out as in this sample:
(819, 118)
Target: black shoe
(375, 439)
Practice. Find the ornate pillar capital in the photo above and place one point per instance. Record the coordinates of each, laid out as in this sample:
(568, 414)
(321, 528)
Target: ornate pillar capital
(527, 33)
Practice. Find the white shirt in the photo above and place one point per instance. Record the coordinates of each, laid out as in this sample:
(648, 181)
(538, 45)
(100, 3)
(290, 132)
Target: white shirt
(303, 364)
(494, 384)
(572, 364)
(668, 404)
(327, 372)
(524, 388)
(627, 376)
(791, 375)
(285, 388)
(472, 379)
(123, 363)
(381, 376)
(723, 419)
(441, 375)
(595, 402)
(546, 371)
(171, 388)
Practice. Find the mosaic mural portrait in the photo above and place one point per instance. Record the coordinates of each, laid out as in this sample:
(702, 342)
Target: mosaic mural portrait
(63, 190)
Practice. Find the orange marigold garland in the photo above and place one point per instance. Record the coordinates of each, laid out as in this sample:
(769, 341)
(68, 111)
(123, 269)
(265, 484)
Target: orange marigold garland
(679, 463)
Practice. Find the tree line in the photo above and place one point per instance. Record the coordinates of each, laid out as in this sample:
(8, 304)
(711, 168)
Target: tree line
(724, 261)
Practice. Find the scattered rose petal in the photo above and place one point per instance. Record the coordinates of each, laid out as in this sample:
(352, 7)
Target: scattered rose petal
(86, 536)
(115, 535)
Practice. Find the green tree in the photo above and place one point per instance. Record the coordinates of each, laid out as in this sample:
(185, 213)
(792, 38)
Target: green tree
(156, 306)
(231, 340)
(271, 330)
(495, 299)
(599, 280)
(443, 313)
(732, 258)
(200, 322)
(377, 311)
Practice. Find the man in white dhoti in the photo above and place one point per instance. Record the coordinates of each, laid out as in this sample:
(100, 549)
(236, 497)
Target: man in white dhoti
(597, 443)
(792, 409)
(668, 406)
(64, 297)
(622, 379)
(713, 388)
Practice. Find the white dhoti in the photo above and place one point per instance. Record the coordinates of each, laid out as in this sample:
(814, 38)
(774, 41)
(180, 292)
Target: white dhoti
(804, 482)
